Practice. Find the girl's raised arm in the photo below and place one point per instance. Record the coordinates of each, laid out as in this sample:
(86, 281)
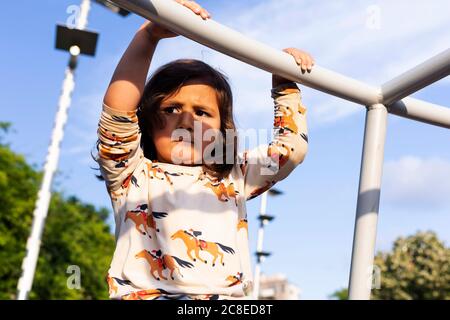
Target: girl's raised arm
(268, 164)
(128, 81)
(265, 165)
(119, 151)
(127, 84)
(119, 135)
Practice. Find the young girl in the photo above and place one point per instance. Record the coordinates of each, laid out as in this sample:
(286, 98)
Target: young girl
(181, 220)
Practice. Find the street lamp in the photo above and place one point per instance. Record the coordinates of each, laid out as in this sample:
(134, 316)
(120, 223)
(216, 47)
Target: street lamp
(264, 219)
(76, 41)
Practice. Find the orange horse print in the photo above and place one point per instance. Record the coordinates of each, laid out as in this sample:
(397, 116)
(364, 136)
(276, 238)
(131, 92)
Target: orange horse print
(149, 294)
(223, 193)
(108, 153)
(126, 182)
(234, 279)
(172, 263)
(112, 283)
(156, 264)
(261, 190)
(140, 217)
(243, 223)
(279, 153)
(286, 120)
(192, 243)
(159, 262)
(155, 172)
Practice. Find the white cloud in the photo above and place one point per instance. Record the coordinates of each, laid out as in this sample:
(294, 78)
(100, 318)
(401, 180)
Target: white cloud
(331, 110)
(417, 182)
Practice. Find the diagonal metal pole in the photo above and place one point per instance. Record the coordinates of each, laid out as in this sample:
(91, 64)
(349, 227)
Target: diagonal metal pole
(367, 206)
(420, 76)
(234, 44)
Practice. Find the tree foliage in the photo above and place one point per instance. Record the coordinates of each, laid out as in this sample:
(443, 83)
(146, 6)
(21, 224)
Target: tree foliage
(75, 234)
(417, 268)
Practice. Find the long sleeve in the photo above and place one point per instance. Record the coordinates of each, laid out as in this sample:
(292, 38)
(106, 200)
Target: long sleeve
(265, 165)
(119, 150)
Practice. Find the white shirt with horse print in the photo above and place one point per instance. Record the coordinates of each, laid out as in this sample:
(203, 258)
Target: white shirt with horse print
(181, 234)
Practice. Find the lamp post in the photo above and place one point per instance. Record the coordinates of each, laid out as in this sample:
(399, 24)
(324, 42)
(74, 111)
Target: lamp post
(264, 219)
(76, 41)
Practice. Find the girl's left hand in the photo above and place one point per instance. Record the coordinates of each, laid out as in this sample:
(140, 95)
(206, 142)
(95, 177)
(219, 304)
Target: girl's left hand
(303, 59)
(158, 32)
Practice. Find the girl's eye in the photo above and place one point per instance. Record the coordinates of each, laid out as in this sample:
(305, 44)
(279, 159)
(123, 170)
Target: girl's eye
(169, 109)
(175, 109)
(201, 113)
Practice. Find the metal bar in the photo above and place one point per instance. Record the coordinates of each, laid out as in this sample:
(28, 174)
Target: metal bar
(232, 43)
(422, 111)
(424, 74)
(360, 281)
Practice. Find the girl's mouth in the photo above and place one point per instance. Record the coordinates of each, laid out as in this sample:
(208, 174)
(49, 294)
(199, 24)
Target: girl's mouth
(180, 139)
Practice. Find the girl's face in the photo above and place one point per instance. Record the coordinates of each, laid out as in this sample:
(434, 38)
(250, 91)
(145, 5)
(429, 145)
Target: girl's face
(194, 106)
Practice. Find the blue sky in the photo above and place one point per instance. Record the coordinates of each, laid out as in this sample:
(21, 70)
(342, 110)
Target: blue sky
(311, 237)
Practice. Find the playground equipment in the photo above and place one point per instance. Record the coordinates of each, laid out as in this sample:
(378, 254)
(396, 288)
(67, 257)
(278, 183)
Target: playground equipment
(391, 98)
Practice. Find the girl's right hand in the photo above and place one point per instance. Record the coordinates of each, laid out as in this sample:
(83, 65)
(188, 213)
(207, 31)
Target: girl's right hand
(158, 32)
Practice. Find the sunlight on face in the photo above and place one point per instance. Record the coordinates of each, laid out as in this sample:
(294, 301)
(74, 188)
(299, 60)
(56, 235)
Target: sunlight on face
(187, 114)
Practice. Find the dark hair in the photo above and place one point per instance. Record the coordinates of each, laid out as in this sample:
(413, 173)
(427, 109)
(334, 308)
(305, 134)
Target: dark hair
(167, 80)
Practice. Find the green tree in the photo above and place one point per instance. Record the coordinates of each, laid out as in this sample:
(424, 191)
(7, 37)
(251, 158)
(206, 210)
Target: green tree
(417, 268)
(18, 189)
(340, 294)
(76, 234)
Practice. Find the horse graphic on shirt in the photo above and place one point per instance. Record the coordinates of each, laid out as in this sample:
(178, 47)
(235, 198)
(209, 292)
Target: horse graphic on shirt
(223, 193)
(242, 224)
(192, 243)
(159, 262)
(279, 153)
(112, 283)
(155, 172)
(268, 184)
(286, 120)
(140, 217)
(234, 279)
(172, 262)
(148, 294)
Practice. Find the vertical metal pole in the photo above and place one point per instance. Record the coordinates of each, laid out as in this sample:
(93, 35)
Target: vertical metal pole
(259, 247)
(51, 164)
(364, 238)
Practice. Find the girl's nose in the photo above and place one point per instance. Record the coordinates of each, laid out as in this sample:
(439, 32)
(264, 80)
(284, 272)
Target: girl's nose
(186, 121)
